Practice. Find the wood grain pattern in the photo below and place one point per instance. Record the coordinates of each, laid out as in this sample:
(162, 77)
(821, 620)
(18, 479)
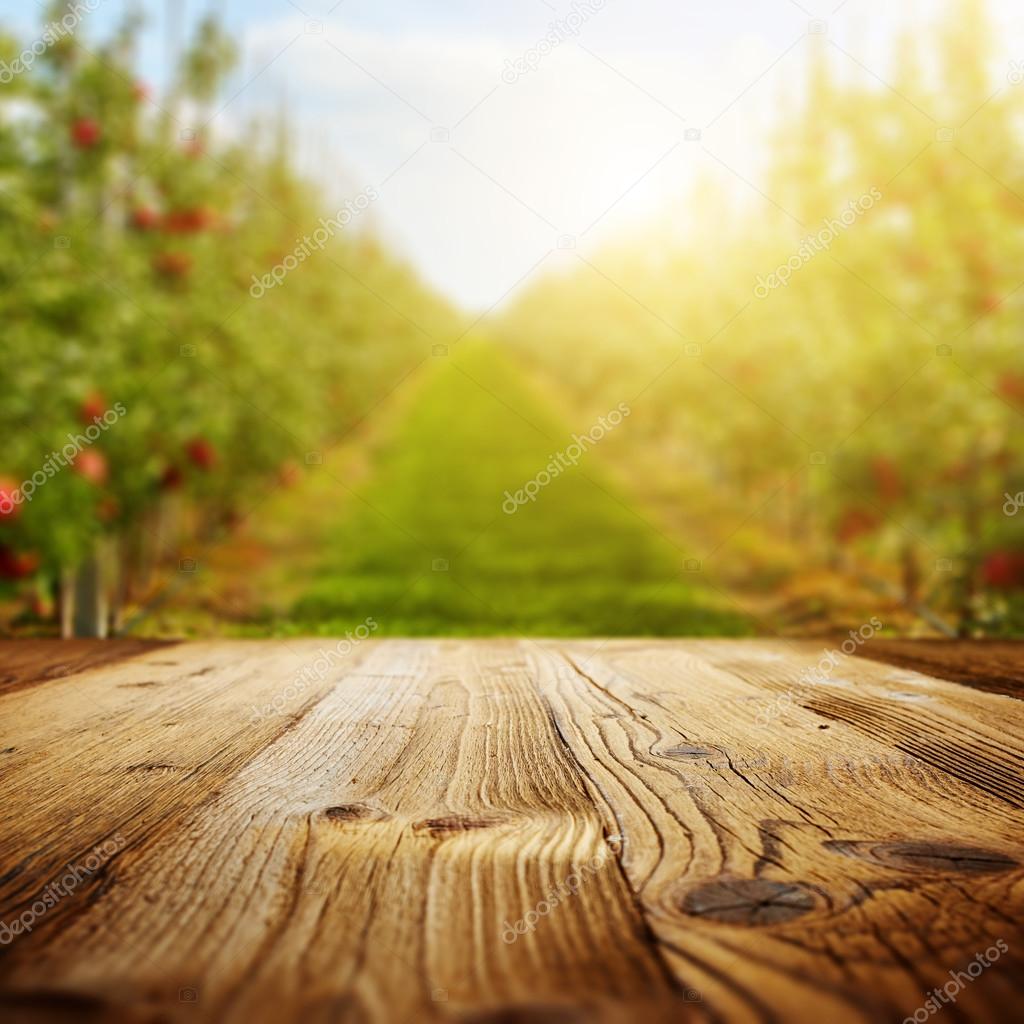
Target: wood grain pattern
(256, 832)
(992, 665)
(29, 662)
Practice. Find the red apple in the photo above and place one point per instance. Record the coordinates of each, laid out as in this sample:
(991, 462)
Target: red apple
(178, 222)
(145, 218)
(191, 220)
(201, 453)
(85, 132)
(9, 508)
(92, 465)
(173, 264)
(16, 565)
(1003, 570)
(92, 408)
(171, 479)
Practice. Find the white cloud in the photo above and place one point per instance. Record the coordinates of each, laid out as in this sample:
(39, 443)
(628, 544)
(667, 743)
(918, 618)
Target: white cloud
(526, 163)
(551, 153)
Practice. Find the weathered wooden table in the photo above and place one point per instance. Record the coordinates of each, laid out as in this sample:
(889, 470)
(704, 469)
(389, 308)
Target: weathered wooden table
(508, 830)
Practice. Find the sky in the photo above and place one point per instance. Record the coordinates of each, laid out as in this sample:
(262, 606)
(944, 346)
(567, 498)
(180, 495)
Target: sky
(494, 161)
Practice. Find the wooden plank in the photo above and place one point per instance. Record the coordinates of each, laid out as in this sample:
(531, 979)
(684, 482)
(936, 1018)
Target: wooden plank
(996, 666)
(365, 851)
(387, 837)
(120, 756)
(801, 869)
(27, 663)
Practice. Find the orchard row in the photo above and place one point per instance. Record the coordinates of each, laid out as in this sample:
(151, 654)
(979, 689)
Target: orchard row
(855, 403)
(130, 238)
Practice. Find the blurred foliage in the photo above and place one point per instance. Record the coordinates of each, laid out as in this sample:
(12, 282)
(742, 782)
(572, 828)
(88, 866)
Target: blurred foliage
(869, 413)
(129, 242)
(866, 418)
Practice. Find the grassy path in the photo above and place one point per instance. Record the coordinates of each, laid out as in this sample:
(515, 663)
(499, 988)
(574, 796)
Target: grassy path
(426, 547)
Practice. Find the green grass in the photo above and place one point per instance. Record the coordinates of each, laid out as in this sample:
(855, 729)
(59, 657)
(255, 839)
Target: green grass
(427, 550)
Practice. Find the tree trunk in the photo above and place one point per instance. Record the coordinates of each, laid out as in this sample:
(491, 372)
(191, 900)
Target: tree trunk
(92, 589)
(67, 603)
